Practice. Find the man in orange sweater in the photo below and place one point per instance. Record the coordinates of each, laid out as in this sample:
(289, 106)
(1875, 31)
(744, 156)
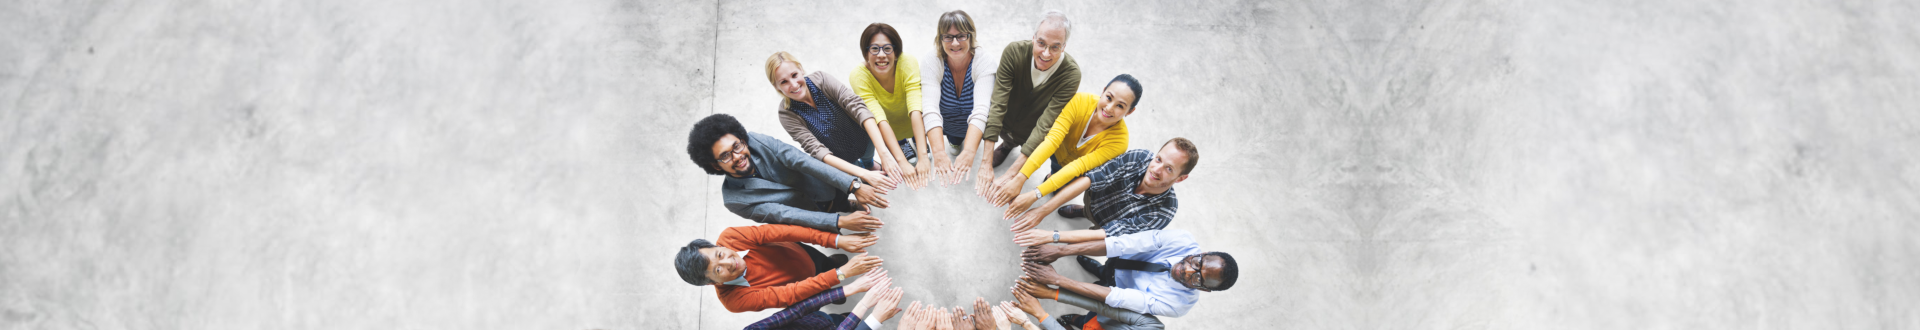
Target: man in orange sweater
(754, 268)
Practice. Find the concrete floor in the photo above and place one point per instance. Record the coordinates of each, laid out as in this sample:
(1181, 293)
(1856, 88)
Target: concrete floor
(1374, 165)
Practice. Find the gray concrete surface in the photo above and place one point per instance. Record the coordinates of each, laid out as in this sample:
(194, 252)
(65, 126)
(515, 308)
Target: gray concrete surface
(1373, 164)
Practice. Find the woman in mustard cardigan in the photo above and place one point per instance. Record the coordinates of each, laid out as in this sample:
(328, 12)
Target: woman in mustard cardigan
(1090, 130)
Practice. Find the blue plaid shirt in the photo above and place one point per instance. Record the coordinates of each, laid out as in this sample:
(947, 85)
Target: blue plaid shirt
(1111, 200)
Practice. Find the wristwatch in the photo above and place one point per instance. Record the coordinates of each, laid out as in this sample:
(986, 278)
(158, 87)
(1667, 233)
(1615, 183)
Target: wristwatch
(856, 185)
(1056, 236)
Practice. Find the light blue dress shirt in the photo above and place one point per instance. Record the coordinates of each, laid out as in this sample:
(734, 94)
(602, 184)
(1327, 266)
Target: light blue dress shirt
(1155, 293)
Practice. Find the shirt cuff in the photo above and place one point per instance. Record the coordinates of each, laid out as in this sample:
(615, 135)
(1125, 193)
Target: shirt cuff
(875, 325)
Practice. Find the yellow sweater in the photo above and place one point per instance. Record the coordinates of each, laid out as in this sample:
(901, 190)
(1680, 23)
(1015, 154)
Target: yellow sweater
(1065, 138)
(891, 107)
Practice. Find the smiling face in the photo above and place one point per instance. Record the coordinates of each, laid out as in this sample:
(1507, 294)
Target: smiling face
(1164, 170)
(788, 81)
(957, 44)
(880, 55)
(1116, 102)
(1199, 271)
(731, 155)
(723, 264)
(1048, 44)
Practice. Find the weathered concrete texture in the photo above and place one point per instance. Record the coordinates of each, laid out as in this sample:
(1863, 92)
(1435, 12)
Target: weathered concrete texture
(1373, 165)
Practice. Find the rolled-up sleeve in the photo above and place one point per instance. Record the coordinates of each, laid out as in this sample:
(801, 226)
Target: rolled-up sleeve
(1140, 242)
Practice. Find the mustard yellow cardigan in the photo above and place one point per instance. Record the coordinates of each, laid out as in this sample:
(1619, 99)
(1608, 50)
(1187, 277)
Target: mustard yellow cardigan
(1065, 137)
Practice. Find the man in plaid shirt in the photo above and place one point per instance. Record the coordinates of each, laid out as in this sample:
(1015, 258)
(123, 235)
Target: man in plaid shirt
(1129, 194)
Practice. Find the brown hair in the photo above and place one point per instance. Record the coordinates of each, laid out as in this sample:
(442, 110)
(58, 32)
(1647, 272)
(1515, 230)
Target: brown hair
(866, 38)
(1186, 147)
(957, 19)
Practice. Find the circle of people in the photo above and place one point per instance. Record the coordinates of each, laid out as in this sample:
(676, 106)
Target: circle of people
(1027, 97)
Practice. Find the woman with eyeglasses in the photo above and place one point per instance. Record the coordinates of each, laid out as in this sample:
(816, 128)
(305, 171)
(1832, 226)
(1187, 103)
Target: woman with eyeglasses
(828, 120)
(956, 104)
(889, 83)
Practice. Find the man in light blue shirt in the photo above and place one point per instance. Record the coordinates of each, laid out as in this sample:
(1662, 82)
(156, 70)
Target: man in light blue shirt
(1160, 272)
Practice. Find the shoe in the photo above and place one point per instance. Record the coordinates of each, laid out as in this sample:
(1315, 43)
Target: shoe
(1000, 153)
(1088, 264)
(838, 260)
(1071, 321)
(1073, 211)
(906, 149)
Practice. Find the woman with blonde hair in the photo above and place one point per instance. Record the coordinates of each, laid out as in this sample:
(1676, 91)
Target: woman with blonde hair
(829, 121)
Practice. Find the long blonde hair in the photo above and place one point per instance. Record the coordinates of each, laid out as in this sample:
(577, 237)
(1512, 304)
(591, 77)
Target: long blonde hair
(773, 64)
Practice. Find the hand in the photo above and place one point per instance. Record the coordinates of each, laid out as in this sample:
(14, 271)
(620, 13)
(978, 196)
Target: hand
(1007, 311)
(1033, 237)
(914, 317)
(876, 280)
(982, 314)
(1000, 314)
(859, 264)
(888, 305)
(1041, 274)
(877, 180)
(1043, 254)
(1029, 220)
(962, 321)
(926, 168)
(1020, 204)
(860, 221)
(962, 165)
(870, 195)
(1027, 303)
(942, 320)
(866, 302)
(1005, 189)
(856, 243)
(983, 178)
(892, 169)
(910, 175)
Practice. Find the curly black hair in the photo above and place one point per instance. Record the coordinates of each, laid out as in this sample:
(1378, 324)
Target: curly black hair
(708, 130)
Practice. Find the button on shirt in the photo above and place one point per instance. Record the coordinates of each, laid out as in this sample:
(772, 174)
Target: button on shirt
(1155, 293)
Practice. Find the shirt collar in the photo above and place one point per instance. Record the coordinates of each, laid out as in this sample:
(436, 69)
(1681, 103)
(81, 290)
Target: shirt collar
(742, 281)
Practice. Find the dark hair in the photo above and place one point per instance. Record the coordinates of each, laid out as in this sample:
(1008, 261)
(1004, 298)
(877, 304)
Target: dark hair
(1229, 270)
(866, 38)
(1131, 83)
(705, 133)
(1186, 147)
(691, 264)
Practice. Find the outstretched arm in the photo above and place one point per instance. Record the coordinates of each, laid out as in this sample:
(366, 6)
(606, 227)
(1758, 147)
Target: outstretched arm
(797, 310)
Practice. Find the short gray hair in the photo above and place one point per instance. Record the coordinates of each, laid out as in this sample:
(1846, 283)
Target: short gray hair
(1066, 25)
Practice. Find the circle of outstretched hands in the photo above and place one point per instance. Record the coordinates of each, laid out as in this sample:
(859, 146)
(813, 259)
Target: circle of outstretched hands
(882, 300)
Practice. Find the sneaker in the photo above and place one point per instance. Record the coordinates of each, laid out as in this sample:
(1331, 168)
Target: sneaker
(1071, 321)
(1073, 211)
(906, 149)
